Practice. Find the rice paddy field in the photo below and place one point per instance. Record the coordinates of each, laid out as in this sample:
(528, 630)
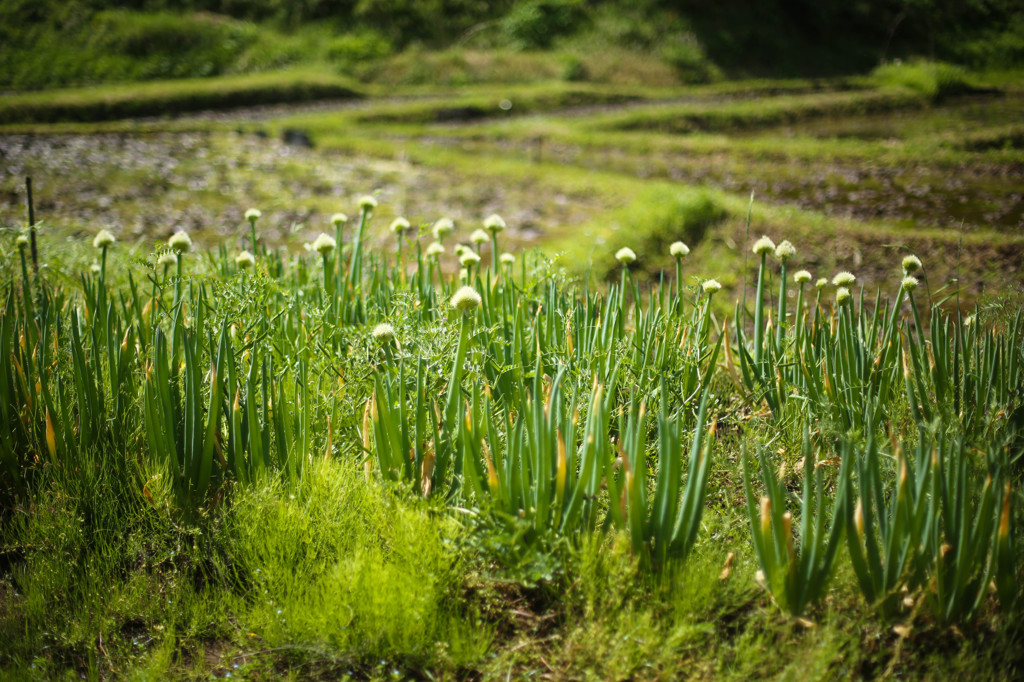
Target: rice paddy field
(551, 380)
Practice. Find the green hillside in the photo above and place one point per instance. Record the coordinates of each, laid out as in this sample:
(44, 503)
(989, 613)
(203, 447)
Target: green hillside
(50, 43)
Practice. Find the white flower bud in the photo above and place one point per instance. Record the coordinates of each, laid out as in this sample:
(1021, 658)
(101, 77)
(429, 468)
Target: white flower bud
(103, 239)
(399, 225)
(784, 251)
(252, 214)
(802, 277)
(383, 333)
(625, 255)
(466, 300)
(367, 203)
(911, 264)
(711, 286)
(678, 250)
(324, 244)
(479, 237)
(180, 242)
(494, 223)
(844, 279)
(442, 227)
(763, 245)
(245, 260)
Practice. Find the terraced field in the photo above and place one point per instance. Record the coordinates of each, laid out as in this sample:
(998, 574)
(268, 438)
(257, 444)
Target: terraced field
(572, 166)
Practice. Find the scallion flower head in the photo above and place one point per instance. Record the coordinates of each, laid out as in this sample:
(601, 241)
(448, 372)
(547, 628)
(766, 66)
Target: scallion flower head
(842, 295)
(245, 260)
(103, 239)
(909, 283)
(678, 250)
(911, 264)
(459, 250)
(399, 225)
(821, 283)
(95, 268)
(324, 244)
(383, 333)
(167, 258)
(180, 242)
(253, 214)
(469, 258)
(711, 286)
(844, 279)
(507, 259)
(435, 249)
(339, 219)
(784, 251)
(21, 241)
(625, 255)
(442, 227)
(466, 300)
(494, 223)
(367, 203)
(763, 245)
(802, 277)
(479, 237)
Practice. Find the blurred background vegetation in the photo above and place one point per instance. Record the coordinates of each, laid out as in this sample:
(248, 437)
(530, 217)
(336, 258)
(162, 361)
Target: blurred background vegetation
(55, 43)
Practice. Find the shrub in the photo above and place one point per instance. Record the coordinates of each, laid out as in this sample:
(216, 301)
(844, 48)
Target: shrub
(655, 219)
(686, 55)
(934, 80)
(537, 23)
(358, 47)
